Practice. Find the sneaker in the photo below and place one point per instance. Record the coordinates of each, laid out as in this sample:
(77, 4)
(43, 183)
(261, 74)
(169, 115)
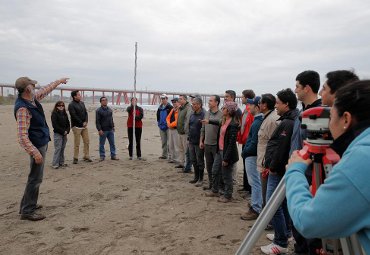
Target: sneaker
(273, 249)
(199, 184)
(272, 236)
(250, 215)
(33, 216)
(63, 165)
(130, 158)
(114, 158)
(224, 200)
(55, 167)
(179, 166)
(171, 161)
(88, 160)
(101, 159)
(162, 157)
(193, 181)
(75, 160)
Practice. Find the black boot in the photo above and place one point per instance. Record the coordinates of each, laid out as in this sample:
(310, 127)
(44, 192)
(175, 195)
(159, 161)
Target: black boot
(196, 175)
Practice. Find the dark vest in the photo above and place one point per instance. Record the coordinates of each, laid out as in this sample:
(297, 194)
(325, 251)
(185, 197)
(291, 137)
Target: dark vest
(38, 133)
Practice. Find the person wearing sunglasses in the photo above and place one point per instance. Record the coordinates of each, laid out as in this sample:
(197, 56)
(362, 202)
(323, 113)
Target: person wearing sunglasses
(61, 126)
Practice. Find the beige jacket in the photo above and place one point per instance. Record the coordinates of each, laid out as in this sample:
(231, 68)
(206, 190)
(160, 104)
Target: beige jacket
(268, 127)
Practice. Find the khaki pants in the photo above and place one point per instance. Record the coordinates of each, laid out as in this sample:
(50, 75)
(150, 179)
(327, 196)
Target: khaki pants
(183, 139)
(77, 133)
(173, 145)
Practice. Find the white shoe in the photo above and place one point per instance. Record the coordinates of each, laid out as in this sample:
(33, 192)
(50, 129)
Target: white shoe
(272, 236)
(273, 249)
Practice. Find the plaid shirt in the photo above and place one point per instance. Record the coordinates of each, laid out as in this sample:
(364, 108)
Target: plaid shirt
(24, 119)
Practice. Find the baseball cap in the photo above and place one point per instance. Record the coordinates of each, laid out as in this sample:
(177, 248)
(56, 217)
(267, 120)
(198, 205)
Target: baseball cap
(164, 96)
(254, 101)
(23, 82)
(175, 99)
(195, 95)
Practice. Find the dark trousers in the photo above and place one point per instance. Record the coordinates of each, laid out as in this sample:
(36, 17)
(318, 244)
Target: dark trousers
(197, 159)
(246, 185)
(224, 173)
(138, 132)
(210, 152)
(31, 193)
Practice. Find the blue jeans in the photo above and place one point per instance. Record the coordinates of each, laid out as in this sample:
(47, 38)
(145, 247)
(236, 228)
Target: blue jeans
(110, 136)
(255, 182)
(31, 193)
(60, 142)
(280, 221)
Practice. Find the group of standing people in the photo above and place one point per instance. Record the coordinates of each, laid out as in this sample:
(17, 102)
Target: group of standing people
(34, 135)
(269, 130)
(270, 133)
(206, 139)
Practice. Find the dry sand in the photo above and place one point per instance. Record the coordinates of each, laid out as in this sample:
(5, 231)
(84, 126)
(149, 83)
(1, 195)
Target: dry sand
(114, 207)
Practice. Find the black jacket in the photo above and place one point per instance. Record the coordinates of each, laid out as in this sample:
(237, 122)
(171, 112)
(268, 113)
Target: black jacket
(230, 151)
(104, 119)
(278, 147)
(78, 113)
(60, 122)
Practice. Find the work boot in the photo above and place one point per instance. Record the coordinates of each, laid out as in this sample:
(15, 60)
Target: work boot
(33, 216)
(250, 215)
(212, 194)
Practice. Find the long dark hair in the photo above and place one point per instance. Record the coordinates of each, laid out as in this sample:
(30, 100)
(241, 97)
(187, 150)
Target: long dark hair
(56, 108)
(355, 99)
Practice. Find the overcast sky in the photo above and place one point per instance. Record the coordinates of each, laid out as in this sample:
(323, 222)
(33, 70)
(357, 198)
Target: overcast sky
(194, 45)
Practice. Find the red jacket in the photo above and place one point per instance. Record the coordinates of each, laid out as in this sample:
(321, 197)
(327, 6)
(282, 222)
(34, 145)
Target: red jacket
(242, 137)
(138, 116)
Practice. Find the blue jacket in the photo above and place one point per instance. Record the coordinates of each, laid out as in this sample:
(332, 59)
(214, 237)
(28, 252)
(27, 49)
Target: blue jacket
(341, 205)
(162, 114)
(250, 148)
(38, 132)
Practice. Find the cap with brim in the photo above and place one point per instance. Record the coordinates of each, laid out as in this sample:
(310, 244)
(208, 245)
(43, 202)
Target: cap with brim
(23, 82)
(194, 95)
(164, 96)
(254, 101)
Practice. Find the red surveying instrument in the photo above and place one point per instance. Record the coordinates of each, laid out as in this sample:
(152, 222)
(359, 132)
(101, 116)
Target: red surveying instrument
(315, 122)
(317, 146)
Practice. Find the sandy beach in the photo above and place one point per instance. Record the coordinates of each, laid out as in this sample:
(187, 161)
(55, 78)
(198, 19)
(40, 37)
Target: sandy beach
(114, 207)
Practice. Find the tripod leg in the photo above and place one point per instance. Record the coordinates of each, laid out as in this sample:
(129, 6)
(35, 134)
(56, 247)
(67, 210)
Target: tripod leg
(263, 219)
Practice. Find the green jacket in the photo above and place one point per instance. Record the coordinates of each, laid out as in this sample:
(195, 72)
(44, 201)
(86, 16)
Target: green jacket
(183, 119)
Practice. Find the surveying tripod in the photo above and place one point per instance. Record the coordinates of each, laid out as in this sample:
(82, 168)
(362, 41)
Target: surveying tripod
(315, 120)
